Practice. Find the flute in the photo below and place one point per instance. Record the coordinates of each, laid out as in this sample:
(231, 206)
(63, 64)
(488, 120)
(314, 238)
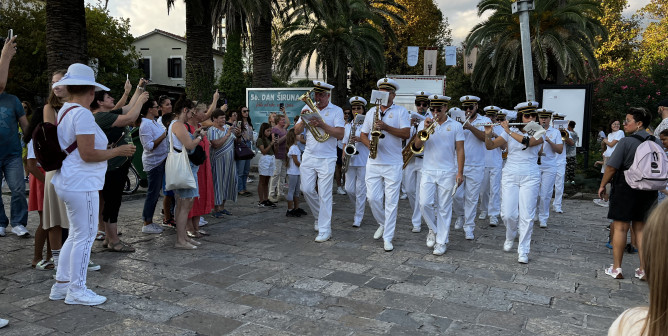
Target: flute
(496, 124)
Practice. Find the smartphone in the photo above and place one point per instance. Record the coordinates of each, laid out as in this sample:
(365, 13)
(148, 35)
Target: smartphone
(238, 124)
(10, 34)
(280, 106)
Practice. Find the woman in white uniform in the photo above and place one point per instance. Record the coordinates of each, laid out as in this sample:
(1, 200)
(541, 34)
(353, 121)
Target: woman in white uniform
(520, 181)
(356, 173)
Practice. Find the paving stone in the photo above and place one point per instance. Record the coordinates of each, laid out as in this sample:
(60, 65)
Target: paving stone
(19, 328)
(223, 308)
(204, 323)
(459, 312)
(504, 320)
(321, 327)
(132, 327)
(405, 302)
(296, 296)
(251, 329)
(366, 325)
(547, 327)
(250, 287)
(514, 295)
(71, 322)
(598, 323)
(339, 289)
(379, 283)
(145, 309)
(347, 277)
(366, 294)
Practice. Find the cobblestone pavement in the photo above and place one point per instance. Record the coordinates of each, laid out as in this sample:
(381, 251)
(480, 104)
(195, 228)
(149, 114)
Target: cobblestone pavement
(261, 273)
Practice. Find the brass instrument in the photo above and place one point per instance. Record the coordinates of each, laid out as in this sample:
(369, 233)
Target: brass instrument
(564, 134)
(376, 135)
(350, 148)
(409, 151)
(317, 133)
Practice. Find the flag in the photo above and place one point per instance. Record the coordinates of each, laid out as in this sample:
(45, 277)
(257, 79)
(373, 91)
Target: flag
(450, 55)
(430, 57)
(469, 60)
(413, 54)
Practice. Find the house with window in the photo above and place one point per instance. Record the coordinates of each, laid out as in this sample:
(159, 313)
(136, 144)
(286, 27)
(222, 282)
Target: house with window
(163, 59)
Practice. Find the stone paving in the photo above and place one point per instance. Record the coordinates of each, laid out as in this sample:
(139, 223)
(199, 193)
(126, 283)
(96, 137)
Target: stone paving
(261, 273)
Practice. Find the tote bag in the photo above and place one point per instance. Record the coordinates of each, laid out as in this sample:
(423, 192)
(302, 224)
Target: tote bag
(178, 174)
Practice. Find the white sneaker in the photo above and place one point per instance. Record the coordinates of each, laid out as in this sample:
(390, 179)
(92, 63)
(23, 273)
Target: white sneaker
(508, 245)
(493, 221)
(614, 272)
(403, 196)
(416, 229)
(202, 221)
(379, 232)
(483, 215)
(542, 225)
(86, 298)
(387, 246)
(356, 225)
(152, 228)
(315, 226)
(557, 209)
(340, 191)
(249, 180)
(58, 291)
(20, 231)
(601, 202)
(323, 237)
(469, 235)
(431, 239)
(523, 258)
(459, 223)
(2, 232)
(3, 322)
(439, 249)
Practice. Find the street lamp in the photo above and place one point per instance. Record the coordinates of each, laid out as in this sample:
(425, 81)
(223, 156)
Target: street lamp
(523, 7)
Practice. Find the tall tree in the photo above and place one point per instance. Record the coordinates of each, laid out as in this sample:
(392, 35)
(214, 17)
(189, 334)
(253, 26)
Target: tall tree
(619, 48)
(653, 46)
(66, 41)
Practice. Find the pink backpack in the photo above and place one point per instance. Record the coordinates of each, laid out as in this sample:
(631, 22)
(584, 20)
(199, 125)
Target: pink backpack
(649, 170)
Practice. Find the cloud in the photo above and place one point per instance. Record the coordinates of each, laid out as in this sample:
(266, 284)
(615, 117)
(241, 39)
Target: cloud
(462, 16)
(145, 16)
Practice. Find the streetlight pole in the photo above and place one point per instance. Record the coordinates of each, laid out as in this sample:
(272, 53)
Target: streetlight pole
(523, 7)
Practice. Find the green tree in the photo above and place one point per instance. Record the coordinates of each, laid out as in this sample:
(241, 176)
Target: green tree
(619, 48)
(232, 82)
(653, 45)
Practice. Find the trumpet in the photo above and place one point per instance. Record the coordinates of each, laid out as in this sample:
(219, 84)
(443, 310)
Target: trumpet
(317, 134)
(564, 134)
(409, 151)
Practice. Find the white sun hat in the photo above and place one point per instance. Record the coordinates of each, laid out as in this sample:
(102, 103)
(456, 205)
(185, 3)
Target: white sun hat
(80, 74)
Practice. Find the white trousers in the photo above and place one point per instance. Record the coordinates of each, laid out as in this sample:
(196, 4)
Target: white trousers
(547, 176)
(382, 184)
(83, 209)
(277, 181)
(356, 190)
(466, 197)
(436, 189)
(411, 182)
(314, 170)
(559, 185)
(490, 191)
(518, 206)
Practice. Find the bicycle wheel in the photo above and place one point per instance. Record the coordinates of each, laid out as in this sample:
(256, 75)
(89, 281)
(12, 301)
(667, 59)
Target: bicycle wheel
(131, 181)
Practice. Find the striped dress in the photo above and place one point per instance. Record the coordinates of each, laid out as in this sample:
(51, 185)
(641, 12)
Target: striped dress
(223, 167)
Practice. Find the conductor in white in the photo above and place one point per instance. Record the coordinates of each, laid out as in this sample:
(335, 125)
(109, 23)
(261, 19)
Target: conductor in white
(384, 173)
(319, 159)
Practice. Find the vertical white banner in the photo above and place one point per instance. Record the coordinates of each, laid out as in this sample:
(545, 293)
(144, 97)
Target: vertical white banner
(469, 60)
(450, 55)
(430, 58)
(413, 54)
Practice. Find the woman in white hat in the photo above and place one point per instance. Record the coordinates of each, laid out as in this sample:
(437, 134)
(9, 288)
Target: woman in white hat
(78, 182)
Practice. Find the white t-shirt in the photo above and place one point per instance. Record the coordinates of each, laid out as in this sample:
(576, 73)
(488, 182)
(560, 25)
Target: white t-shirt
(550, 157)
(389, 147)
(439, 150)
(332, 115)
(519, 161)
(31, 152)
(76, 174)
(494, 157)
(360, 159)
(292, 167)
(617, 135)
(475, 149)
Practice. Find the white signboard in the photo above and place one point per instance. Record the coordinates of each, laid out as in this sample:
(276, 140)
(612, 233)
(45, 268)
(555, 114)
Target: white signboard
(569, 102)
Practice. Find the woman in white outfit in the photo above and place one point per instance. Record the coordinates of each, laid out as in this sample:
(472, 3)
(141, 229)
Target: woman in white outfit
(355, 176)
(520, 181)
(78, 183)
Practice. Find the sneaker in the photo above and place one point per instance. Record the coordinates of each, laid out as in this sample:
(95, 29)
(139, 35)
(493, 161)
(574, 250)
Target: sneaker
(58, 291)
(169, 223)
(557, 210)
(152, 228)
(615, 273)
(340, 191)
(202, 221)
(459, 223)
(630, 249)
(483, 215)
(356, 225)
(602, 203)
(301, 211)
(20, 231)
(640, 274)
(3, 322)
(431, 239)
(93, 266)
(403, 196)
(543, 225)
(261, 204)
(416, 229)
(508, 245)
(269, 204)
(290, 213)
(493, 221)
(387, 246)
(249, 180)
(469, 235)
(379, 232)
(439, 249)
(86, 298)
(2, 232)
(323, 237)
(315, 226)
(608, 245)
(523, 258)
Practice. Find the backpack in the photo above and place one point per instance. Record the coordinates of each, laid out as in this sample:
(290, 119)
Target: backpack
(649, 170)
(47, 148)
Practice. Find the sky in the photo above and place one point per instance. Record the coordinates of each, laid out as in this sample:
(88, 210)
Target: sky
(146, 15)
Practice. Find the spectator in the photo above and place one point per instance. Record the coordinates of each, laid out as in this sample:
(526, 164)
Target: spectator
(205, 202)
(265, 165)
(571, 152)
(11, 161)
(663, 136)
(662, 110)
(223, 167)
(152, 135)
(610, 144)
(165, 113)
(243, 166)
(78, 183)
(277, 180)
(627, 204)
(294, 160)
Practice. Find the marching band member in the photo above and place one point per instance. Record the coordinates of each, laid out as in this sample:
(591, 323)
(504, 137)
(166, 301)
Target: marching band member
(411, 178)
(490, 190)
(552, 147)
(319, 159)
(383, 174)
(520, 181)
(440, 173)
(561, 170)
(466, 198)
(355, 176)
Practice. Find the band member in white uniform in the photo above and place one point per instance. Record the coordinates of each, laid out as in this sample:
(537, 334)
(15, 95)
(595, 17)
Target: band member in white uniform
(490, 190)
(384, 173)
(319, 159)
(356, 174)
(561, 169)
(411, 179)
(520, 181)
(443, 166)
(552, 147)
(466, 197)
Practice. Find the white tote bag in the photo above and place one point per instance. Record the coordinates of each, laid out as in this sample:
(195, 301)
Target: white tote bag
(178, 174)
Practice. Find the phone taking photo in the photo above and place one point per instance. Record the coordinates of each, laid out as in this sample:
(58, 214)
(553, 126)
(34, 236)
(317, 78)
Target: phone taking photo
(238, 124)
(10, 34)
(280, 106)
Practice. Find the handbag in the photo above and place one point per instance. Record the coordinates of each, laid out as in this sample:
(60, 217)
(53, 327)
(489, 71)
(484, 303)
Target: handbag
(242, 151)
(198, 156)
(178, 174)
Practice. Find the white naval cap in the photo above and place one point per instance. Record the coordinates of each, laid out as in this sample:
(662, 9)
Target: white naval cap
(469, 100)
(530, 106)
(320, 86)
(357, 100)
(502, 112)
(388, 84)
(544, 113)
(438, 100)
(511, 114)
(422, 96)
(491, 110)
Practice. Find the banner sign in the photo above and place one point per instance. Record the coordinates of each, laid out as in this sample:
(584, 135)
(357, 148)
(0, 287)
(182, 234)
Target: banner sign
(413, 54)
(430, 57)
(450, 55)
(263, 101)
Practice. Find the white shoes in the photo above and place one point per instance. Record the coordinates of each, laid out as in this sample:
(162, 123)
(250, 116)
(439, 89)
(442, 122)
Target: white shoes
(493, 221)
(3, 322)
(483, 215)
(315, 226)
(416, 229)
(459, 223)
(508, 245)
(379, 232)
(86, 298)
(202, 221)
(388, 246)
(152, 228)
(2, 232)
(439, 249)
(602, 203)
(403, 196)
(523, 258)
(323, 237)
(58, 291)
(542, 225)
(20, 231)
(557, 209)
(431, 239)
(469, 235)
(340, 191)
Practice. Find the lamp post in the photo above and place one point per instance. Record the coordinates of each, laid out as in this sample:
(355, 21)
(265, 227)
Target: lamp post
(523, 7)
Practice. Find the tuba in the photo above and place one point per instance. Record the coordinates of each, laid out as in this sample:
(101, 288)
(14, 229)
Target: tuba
(409, 151)
(317, 133)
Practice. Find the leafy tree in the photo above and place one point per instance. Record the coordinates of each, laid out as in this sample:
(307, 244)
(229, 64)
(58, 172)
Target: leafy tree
(66, 31)
(232, 83)
(653, 46)
(620, 46)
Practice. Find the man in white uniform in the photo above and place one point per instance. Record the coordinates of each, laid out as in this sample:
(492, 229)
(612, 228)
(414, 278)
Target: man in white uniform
(356, 174)
(319, 159)
(442, 171)
(466, 198)
(384, 173)
(411, 179)
(490, 190)
(561, 169)
(552, 147)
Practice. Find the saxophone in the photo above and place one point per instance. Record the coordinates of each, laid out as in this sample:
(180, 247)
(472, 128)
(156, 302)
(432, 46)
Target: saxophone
(350, 148)
(376, 135)
(316, 132)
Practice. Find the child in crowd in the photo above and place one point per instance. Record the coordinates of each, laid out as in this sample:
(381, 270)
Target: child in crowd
(294, 160)
(266, 143)
(664, 140)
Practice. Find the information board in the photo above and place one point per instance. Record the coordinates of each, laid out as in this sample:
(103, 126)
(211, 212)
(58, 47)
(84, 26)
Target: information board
(263, 101)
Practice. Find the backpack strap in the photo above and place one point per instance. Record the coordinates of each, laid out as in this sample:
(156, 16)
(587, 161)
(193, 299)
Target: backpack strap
(641, 139)
(73, 146)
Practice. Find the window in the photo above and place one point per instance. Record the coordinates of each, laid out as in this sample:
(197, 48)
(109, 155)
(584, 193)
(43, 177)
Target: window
(174, 67)
(145, 66)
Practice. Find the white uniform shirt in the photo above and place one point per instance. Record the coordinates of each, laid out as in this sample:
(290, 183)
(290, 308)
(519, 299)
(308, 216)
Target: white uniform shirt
(292, 167)
(494, 158)
(389, 148)
(520, 161)
(549, 159)
(332, 115)
(618, 135)
(473, 147)
(360, 159)
(439, 150)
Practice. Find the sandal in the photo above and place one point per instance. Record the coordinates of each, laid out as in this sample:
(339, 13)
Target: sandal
(203, 233)
(218, 214)
(100, 235)
(195, 234)
(225, 212)
(169, 223)
(120, 247)
(45, 265)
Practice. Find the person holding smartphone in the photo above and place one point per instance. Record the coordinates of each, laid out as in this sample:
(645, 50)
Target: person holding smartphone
(279, 134)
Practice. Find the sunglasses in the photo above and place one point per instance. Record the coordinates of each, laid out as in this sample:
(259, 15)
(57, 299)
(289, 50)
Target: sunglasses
(469, 107)
(500, 119)
(436, 109)
(530, 115)
(424, 104)
(356, 108)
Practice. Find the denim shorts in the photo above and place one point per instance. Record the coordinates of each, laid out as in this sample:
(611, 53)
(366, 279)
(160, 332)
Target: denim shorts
(189, 193)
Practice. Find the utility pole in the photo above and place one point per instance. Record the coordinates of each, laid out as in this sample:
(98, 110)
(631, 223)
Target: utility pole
(523, 7)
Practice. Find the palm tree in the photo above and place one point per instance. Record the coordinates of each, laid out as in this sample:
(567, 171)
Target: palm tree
(66, 41)
(563, 40)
